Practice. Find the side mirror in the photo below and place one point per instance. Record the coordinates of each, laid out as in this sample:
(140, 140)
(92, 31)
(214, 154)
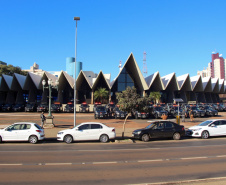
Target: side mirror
(213, 125)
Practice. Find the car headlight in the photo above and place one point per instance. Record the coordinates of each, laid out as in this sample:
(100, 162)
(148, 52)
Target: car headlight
(138, 132)
(197, 129)
(59, 133)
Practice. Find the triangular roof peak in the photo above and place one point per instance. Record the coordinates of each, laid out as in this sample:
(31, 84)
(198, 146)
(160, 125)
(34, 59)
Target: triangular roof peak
(167, 79)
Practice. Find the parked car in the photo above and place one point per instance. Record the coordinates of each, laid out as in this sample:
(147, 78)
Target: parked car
(159, 129)
(118, 113)
(84, 107)
(110, 109)
(95, 105)
(197, 112)
(30, 108)
(18, 108)
(136, 114)
(87, 131)
(206, 129)
(7, 107)
(157, 112)
(69, 107)
(42, 108)
(55, 108)
(22, 131)
(100, 112)
(209, 111)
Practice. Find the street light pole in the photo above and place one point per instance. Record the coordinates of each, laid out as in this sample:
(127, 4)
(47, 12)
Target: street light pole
(76, 19)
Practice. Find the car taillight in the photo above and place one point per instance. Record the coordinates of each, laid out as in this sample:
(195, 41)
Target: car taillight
(38, 131)
(182, 128)
(113, 130)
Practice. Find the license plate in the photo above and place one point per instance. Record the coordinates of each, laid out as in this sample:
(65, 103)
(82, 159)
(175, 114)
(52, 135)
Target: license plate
(101, 115)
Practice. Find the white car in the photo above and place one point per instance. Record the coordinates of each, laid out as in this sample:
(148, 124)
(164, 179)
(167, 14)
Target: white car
(22, 131)
(87, 131)
(213, 127)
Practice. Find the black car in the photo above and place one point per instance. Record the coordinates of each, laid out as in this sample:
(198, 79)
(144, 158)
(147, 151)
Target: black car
(84, 107)
(137, 114)
(95, 105)
(110, 109)
(30, 107)
(158, 112)
(209, 111)
(7, 107)
(69, 108)
(18, 108)
(55, 108)
(118, 113)
(197, 112)
(100, 112)
(159, 129)
(42, 108)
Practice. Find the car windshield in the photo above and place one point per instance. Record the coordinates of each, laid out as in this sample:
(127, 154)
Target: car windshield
(158, 108)
(150, 126)
(100, 108)
(28, 105)
(205, 123)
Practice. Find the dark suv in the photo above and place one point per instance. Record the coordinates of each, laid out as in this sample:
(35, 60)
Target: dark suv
(100, 112)
(84, 107)
(157, 112)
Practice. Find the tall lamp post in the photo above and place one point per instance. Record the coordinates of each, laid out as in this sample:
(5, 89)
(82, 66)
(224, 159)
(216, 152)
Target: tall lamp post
(76, 19)
(50, 86)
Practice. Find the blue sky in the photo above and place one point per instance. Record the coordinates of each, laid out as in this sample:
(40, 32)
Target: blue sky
(178, 35)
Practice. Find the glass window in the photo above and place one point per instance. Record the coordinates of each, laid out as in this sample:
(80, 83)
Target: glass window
(84, 127)
(37, 126)
(96, 126)
(223, 122)
(169, 125)
(216, 123)
(122, 78)
(14, 127)
(25, 127)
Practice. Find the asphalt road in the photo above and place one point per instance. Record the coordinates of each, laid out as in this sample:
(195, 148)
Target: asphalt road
(111, 163)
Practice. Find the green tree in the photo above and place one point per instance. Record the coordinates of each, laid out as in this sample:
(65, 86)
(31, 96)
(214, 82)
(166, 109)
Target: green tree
(155, 96)
(128, 100)
(10, 70)
(101, 94)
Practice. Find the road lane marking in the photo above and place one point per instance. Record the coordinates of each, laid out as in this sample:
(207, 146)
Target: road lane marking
(114, 162)
(190, 158)
(110, 162)
(154, 160)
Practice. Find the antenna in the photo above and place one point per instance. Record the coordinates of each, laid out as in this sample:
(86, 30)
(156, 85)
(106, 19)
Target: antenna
(145, 70)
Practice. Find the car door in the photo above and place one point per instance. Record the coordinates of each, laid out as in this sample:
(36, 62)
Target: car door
(24, 132)
(10, 133)
(223, 127)
(82, 132)
(169, 129)
(95, 132)
(215, 128)
(157, 131)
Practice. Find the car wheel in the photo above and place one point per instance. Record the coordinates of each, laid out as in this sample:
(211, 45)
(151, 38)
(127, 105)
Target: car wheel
(104, 138)
(145, 138)
(176, 136)
(205, 135)
(68, 139)
(33, 139)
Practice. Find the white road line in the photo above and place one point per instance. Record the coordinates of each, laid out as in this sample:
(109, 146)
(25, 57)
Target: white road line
(110, 162)
(55, 164)
(154, 160)
(190, 158)
(221, 156)
(16, 164)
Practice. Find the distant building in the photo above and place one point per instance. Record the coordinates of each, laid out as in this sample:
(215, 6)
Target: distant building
(70, 66)
(216, 68)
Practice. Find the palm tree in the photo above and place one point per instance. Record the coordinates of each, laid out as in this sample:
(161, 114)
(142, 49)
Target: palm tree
(155, 96)
(101, 94)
